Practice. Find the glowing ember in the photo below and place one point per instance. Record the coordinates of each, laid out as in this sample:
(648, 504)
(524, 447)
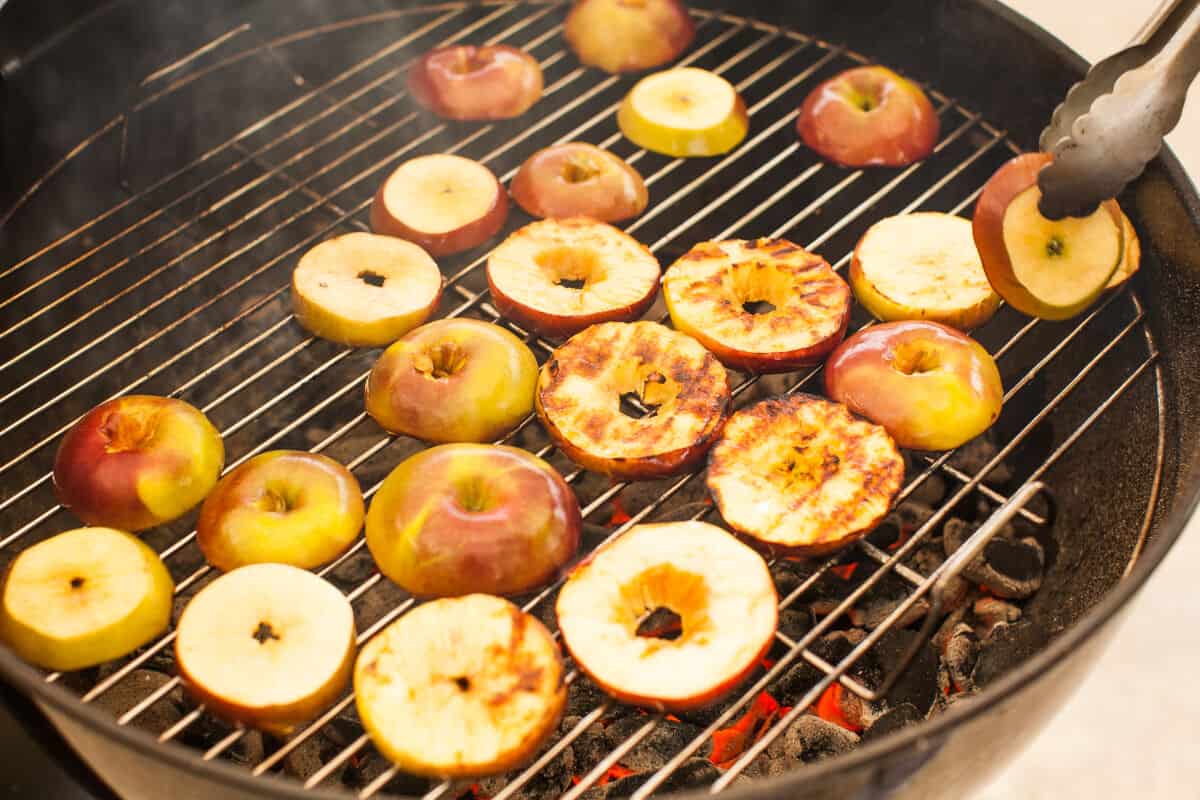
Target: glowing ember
(729, 743)
(473, 792)
(829, 708)
(845, 571)
(619, 515)
(614, 773)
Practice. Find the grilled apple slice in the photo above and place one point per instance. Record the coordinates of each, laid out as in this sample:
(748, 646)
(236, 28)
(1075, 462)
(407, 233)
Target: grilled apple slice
(923, 266)
(470, 82)
(720, 590)
(460, 688)
(84, 597)
(1052, 269)
(684, 112)
(444, 203)
(364, 290)
(557, 277)
(269, 645)
(582, 385)
(627, 36)
(803, 475)
(760, 306)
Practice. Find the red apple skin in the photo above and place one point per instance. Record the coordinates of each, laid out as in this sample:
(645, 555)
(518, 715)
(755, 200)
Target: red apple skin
(952, 396)
(579, 179)
(464, 518)
(987, 226)
(442, 244)
(900, 128)
(468, 82)
(628, 35)
(137, 461)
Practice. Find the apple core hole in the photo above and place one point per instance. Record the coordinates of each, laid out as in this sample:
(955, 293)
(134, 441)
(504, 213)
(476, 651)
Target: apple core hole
(758, 307)
(630, 402)
(570, 267)
(1055, 247)
(661, 623)
(76, 582)
(440, 361)
(471, 61)
(463, 683)
(914, 358)
(128, 432)
(371, 278)
(473, 496)
(264, 632)
(579, 170)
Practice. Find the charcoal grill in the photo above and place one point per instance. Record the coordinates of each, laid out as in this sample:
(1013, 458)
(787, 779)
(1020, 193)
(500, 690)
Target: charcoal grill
(230, 157)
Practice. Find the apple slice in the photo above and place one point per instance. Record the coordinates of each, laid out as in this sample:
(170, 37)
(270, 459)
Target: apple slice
(628, 35)
(584, 382)
(467, 82)
(1051, 269)
(760, 306)
(453, 380)
(803, 475)
(84, 597)
(684, 112)
(283, 506)
(869, 116)
(137, 461)
(719, 589)
(557, 277)
(460, 688)
(930, 386)
(577, 179)
(444, 203)
(364, 290)
(923, 266)
(268, 645)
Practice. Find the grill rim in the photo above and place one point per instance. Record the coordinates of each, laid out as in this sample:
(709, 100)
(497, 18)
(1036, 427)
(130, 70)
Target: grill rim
(1171, 522)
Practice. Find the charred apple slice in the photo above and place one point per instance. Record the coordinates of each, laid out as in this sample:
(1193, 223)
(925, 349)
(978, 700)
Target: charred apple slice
(282, 506)
(717, 588)
(683, 387)
(137, 461)
(460, 688)
(760, 306)
(470, 82)
(463, 518)
(628, 35)
(365, 290)
(444, 203)
(684, 112)
(556, 277)
(268, 645)
(84, 597)
(1052, 269)
(577, 179)
(803, 475)
(923, 266)
(869, 116)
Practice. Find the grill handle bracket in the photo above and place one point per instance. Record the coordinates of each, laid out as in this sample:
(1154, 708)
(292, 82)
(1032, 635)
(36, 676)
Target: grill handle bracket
(950, 570)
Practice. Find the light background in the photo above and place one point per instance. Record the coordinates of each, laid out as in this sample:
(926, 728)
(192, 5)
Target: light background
(1130, 731)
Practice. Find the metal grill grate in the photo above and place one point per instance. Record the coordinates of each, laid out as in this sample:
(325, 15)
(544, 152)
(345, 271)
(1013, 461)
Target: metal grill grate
(209, 322)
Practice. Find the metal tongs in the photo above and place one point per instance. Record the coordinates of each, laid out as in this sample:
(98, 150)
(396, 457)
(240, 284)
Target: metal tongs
(1112, 123)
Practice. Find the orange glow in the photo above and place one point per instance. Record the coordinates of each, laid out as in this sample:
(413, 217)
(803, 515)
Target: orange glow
(729, 743)
(619, 515)
(614, 773)
(829, 708)
(845, 571)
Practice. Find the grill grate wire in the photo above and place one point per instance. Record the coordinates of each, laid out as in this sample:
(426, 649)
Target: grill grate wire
(794, 63)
